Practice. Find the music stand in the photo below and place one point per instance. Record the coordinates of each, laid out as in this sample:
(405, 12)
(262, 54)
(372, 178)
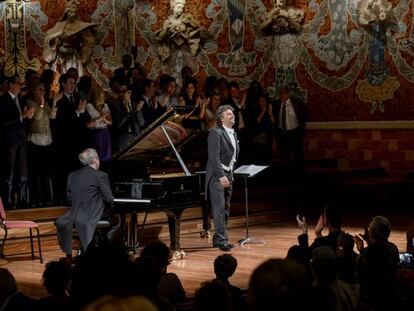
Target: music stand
(248, 171)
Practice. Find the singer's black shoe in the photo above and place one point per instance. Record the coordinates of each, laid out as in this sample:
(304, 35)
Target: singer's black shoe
(225, 247)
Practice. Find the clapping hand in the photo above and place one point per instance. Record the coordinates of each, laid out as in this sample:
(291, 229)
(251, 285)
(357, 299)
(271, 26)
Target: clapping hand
(243, 102)
(319, 226)
(359, 242)
(360, 238)
(302, 224)
(56, 98)
(154, 102)
(81, 105)
(140, 104)
(270, 109)
(28, 112)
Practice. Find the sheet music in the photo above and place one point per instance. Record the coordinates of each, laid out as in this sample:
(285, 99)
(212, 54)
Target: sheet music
(250, 170)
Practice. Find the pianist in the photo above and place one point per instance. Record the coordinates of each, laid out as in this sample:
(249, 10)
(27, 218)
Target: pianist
(89, 192)
(223, 150)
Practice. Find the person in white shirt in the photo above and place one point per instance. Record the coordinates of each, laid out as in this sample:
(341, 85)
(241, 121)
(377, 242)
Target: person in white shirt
(290, 115)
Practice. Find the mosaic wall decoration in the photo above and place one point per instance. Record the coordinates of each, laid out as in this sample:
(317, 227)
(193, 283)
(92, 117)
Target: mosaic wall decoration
(350, 60)
(20, 18)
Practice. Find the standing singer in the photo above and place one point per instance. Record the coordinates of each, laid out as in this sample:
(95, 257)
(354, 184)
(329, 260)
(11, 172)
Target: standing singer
(223, 150)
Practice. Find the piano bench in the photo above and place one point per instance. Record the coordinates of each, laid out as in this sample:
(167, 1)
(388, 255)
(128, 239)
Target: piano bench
(99, 236)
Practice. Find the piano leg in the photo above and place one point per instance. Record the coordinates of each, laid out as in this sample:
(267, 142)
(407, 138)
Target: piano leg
(132, 241)
(174, 224)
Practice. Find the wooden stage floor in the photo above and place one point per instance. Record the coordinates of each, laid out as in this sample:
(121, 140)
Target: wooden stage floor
(198, 264)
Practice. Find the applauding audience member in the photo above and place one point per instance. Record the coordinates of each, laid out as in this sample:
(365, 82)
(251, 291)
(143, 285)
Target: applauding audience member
(376, 265)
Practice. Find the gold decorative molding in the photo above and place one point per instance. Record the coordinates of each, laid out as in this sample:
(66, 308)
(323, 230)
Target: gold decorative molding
(360, 125)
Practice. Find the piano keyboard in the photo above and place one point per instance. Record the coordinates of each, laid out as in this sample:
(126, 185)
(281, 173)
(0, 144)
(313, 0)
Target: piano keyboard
(132, 200)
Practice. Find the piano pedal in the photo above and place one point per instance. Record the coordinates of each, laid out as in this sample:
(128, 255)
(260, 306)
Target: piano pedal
(178, 255)
(205, 234)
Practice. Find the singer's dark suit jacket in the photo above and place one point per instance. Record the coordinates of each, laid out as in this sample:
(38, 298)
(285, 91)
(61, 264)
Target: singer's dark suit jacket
(220, 151)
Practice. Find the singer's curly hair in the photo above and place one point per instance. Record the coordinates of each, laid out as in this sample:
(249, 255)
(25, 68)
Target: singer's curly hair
(220, 111)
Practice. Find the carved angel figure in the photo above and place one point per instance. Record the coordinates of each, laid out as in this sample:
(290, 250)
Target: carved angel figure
(182, 33)
(70, 40)
(283, 18)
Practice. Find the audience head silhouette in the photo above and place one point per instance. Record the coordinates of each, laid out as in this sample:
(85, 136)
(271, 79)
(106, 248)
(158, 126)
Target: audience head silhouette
(224, 266)
(277, 284)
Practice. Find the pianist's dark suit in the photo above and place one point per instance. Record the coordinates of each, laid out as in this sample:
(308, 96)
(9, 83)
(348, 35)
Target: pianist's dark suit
(89, 191)
(220, 151)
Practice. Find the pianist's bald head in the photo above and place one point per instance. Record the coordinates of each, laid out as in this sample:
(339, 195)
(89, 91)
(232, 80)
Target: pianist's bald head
(89, 157)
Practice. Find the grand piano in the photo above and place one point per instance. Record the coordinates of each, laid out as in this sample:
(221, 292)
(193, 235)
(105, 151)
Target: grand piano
(140, 185)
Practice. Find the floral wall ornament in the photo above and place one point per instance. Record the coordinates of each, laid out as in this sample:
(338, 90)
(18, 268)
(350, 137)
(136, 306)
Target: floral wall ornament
(377, 94)
(400, 46)
(145, 17)
(375, 11)
(237, 59)
(338, 46)
(117, 16)
(15, 59)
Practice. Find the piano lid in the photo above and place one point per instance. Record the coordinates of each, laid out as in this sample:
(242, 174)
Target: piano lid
(152, 144)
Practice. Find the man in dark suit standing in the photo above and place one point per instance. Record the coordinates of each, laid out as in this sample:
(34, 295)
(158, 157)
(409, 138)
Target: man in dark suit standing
(70, 132)
(91, 197)
(148, 103)
(223, 150)
(127, 119)
(14, 141)
(290, 114)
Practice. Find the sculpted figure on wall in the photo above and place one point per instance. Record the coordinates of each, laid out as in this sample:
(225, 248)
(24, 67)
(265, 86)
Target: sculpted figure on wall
(283, 18)
(70, 41)
(179, 38)
(375, 11)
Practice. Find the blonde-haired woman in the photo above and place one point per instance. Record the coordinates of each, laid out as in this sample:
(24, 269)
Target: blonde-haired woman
(100, 114)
